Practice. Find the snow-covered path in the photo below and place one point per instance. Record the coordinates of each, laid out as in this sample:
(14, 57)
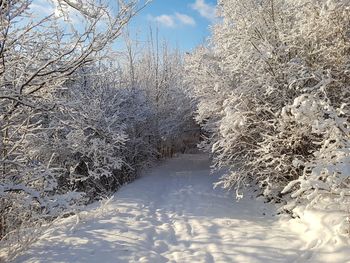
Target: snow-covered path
(172, 214)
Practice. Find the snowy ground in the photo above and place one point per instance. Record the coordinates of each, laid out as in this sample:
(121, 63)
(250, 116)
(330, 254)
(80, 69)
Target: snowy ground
(173, 214)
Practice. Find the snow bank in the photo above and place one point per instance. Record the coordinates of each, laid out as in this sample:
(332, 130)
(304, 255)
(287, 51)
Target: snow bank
(325, 234)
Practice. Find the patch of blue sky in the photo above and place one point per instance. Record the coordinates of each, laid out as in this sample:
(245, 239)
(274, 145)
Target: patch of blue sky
(183, 24)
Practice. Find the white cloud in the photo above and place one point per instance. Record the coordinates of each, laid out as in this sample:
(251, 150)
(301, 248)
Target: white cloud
(164, 20)
(185, 19)
(173, 20)
(206, 10)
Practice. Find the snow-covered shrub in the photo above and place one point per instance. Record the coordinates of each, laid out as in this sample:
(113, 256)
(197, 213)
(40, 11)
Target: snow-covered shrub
(325, 174)
(39, 56)
(317, 74)
(273, 74)
(166, 111)
(236, 73)
(89, 136)
(203, 77)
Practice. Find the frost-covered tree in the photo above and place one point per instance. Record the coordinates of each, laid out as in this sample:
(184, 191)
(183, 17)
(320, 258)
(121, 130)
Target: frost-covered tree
(272, 90)
(156, 71)
(39, 130)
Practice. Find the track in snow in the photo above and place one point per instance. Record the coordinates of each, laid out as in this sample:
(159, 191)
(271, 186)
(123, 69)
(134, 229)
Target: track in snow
(171, 214)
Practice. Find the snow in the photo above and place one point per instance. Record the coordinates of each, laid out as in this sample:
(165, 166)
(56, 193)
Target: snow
(321, 231)
(173, 214)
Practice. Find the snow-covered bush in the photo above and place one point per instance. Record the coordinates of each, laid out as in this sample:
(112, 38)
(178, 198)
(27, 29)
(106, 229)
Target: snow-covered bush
(89, 135)
(166, 115)
(39, 56)
(272, 91)
(325, 173)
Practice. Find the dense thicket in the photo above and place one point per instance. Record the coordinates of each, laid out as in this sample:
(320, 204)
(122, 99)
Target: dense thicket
(78, 120)
(273, 94)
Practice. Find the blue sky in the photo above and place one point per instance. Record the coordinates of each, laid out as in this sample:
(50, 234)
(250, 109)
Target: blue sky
(183, 23)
